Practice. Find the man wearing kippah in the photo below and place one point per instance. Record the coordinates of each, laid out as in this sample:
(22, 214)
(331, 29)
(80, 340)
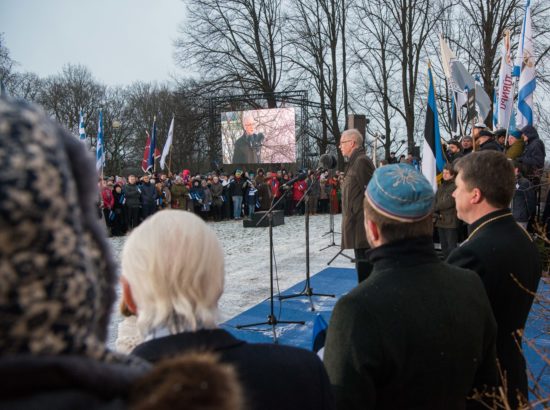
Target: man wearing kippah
(356, 177)
(418, 333)
(485, 186)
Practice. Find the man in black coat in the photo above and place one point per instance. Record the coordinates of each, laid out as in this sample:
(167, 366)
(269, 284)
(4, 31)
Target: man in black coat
(501, 252)
(356, 177)
(418, 333)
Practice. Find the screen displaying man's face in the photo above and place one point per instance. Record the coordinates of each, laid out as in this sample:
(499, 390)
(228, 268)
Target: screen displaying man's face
(249, 124)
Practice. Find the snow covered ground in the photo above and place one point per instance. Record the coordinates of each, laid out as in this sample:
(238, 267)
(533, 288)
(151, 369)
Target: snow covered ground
(246, 253)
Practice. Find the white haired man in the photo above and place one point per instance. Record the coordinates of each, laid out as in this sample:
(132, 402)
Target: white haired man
(356, 177)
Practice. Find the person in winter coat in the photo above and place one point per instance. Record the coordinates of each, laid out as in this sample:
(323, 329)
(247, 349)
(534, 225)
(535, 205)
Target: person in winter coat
(58, 273)
(445, 217)
(180, 194)
(314, 188)
(356, 177)
(108, 202)
(176, 303)
(119, 224)
(534, 154)
(298, 191)
(218, 199)
(516, 145)
(197, 196)
(132, 193)
(524, 202)
(207, 201)
(251, 199)
(264, 192)
(148, 197)
(237, 187)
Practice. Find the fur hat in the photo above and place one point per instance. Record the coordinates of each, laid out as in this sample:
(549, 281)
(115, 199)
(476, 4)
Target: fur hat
(190, 381)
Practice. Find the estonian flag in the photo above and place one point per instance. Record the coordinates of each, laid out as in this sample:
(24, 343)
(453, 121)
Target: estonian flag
(319, 335)
(433, 159)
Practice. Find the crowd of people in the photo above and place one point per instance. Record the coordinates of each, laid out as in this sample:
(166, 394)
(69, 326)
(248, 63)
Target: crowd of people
(416, 332)
(216, 196)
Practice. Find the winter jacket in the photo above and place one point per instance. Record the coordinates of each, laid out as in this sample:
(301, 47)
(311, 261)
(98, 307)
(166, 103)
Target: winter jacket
(445, 211)
(133, 195)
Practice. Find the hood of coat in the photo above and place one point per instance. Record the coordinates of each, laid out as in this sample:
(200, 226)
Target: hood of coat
(58, 274)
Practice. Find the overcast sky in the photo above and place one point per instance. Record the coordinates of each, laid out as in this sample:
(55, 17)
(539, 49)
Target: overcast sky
(120, 41)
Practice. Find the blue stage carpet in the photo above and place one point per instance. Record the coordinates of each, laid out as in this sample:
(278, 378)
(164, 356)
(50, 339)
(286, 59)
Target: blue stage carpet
(339, 281)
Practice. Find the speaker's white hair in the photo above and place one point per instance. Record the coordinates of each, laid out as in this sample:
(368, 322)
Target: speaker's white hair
(354, 134)
(174, 265)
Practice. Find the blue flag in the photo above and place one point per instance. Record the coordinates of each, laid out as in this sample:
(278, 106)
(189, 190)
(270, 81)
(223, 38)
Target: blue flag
(319, 335)
(151, 157)
(100, 153)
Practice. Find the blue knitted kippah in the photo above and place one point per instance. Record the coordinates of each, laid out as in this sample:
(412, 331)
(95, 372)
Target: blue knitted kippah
(400, 192)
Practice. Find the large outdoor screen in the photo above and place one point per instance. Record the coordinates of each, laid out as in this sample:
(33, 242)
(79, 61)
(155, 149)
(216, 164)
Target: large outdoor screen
(259, 136)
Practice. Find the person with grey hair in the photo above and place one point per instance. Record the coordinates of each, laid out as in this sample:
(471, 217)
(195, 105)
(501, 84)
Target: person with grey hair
(248, 146)
(356, 177)
(57, 272)
(176, 303)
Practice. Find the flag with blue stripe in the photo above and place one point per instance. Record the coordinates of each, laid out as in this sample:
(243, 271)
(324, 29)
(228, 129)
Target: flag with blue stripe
(433, 159)
(81, 127)
(151, 157)
(525, 66)
(100, 153)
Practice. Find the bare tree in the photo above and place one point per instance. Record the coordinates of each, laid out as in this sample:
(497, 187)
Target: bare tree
(66, 94)
(377, 63)
(316, 38)
(234, 44)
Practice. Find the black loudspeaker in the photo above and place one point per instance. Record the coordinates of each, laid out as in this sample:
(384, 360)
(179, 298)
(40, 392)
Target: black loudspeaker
(278, 219)
(359, 122)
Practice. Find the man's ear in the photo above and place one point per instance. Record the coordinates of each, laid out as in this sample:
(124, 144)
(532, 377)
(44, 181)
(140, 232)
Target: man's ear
(476, 196)
(372, 231)
(127, 296)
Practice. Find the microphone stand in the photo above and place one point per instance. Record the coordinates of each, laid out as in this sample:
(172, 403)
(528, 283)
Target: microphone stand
(331, 231)
(308, 290)
(271, 318)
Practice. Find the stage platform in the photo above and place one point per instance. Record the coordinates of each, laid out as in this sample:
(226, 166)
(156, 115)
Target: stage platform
(339, 281)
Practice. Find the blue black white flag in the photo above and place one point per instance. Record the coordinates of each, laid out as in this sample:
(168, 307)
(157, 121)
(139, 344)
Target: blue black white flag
(433, 159)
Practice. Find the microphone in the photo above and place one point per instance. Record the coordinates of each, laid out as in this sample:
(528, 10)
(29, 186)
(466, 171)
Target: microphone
(326, 162)
(300, 177)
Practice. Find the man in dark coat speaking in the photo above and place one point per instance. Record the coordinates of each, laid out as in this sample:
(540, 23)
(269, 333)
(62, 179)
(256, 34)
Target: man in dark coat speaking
(417, 333)
(501, 252)
(356, 177)
(248, 146)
